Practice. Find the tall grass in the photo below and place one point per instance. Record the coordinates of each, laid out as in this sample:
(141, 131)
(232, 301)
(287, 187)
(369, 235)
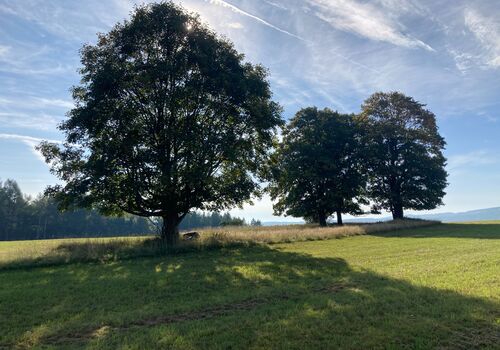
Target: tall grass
(293, 233)
(60, 251)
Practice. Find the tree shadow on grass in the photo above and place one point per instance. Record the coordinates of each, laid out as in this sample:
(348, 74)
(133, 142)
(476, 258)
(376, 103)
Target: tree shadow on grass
(480, 231)
(255, 297)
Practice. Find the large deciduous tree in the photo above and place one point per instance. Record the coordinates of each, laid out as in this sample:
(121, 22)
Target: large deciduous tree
(316, 170)
(404, 153)
(168, 117)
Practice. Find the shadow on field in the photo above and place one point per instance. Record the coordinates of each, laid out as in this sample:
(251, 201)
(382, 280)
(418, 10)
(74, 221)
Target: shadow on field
(255, 297)
(481, 231)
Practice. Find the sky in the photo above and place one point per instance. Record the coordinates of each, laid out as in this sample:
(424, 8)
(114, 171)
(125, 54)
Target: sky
(324, 53)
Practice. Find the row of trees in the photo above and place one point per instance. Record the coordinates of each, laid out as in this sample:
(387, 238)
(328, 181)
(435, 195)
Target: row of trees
(169, 119)
(389, 156)
(22, 217)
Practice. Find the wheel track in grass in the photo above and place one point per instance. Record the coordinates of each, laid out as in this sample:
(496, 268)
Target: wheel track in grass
(82, 335)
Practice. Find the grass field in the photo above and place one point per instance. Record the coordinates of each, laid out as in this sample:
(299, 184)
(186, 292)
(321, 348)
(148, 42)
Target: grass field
(63, 251)
(421, 288)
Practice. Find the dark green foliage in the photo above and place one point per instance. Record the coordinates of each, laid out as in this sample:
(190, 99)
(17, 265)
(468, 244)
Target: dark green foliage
(233, 222)
(12, 208)
(404, 154)
(255, 223)
(24, 218)
(317, 169)
(168, 118)
(199, 220)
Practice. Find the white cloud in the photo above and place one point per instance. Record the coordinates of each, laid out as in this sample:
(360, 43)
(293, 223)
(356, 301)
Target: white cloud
(31, 59)
(234, 25)
(464, 61)
(404, 6)
(64, 19)
(36, 103)
(24, 120)
(365, 20)
(4, 50)
(495, 62)
(30, 141)
(53, 70)
(474, 158)
(487, 32)
(54, 102)
(275, 4)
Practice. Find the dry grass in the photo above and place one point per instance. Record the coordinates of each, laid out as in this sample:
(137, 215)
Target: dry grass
(295, 233)
(61, 251)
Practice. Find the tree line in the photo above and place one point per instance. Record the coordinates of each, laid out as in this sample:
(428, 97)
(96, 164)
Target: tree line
(169, 118)
(23, 217)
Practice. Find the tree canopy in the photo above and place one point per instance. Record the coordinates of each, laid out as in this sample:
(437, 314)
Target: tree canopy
(317, 170)
(404, 154)
(168, 118)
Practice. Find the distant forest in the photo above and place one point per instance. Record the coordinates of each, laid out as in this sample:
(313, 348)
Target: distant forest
(23, 218)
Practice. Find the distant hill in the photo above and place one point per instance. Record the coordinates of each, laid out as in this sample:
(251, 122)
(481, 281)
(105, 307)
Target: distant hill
(472, 215)
(488, 214)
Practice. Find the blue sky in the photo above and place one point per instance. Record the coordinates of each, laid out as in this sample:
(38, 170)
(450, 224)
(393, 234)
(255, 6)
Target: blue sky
(328, 53)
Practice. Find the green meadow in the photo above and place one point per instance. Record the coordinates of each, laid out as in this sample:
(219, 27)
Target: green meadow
(420, 288)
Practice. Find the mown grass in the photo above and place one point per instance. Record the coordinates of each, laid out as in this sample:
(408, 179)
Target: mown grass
(63, 251)
(422, 288)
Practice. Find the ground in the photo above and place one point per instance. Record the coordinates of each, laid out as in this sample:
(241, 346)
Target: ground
(425, 288)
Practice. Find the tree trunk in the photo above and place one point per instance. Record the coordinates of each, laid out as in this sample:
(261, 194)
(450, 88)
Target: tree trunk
(339, 218)
(397, 211)
(397, 202)
(322, 220)
(170, 230)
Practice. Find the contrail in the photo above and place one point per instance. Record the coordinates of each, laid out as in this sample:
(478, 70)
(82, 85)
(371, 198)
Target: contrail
(258, 19)
(357, 63)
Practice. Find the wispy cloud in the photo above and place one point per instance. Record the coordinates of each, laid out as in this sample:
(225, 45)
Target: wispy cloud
(277, 5)
(487, 31)
(4, 50)
(234, 25)
(464, 61)
(30, 121)
(404, 6)
(258, 19)
(64, 19)
(36, 103)
(366, 20)
(30, 141)
(31, 59)
(474, 158)
(53, 102)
